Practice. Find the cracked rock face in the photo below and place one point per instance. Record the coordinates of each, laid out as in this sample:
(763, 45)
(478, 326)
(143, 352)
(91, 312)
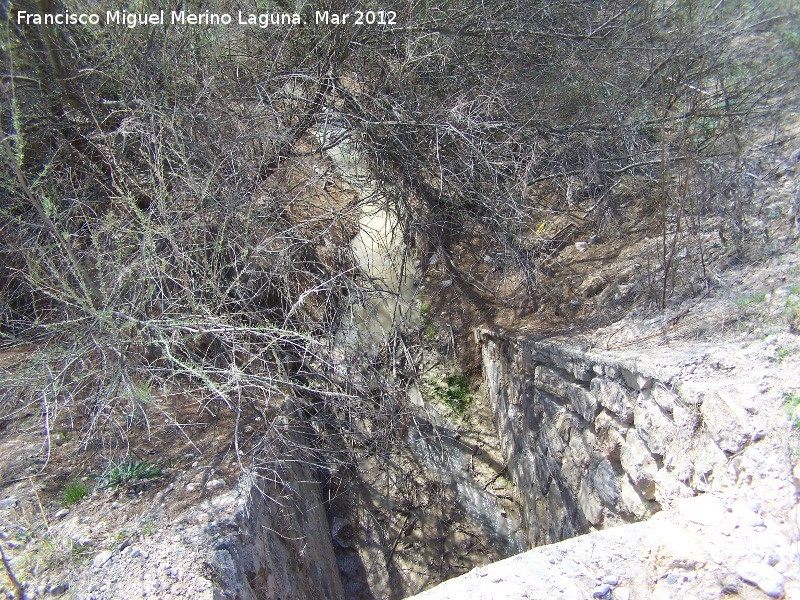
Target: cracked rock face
(727, 419)
(639, 464)
(238, 543)
(704, 457)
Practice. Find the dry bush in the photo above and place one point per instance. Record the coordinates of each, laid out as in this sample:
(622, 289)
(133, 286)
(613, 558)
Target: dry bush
(152, 242)
(155, 216)
(497, 118)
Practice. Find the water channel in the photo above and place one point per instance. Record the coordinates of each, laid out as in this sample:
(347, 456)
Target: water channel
(381, 254)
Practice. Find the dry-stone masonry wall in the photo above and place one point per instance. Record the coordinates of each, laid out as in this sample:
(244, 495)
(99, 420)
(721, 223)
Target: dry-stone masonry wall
(601, 438)
(595, 439)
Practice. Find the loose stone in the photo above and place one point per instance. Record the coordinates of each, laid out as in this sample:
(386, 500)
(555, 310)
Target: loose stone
(731, 584)
(8, 502)
(58, 589)
(101, 559)
(601, 591)
(765, 577)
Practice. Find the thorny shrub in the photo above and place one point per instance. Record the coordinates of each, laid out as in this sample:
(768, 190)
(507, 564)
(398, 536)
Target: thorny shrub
(165, 225)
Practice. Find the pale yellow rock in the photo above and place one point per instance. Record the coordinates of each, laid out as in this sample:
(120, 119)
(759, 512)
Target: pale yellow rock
(631, 500)
(673, 547)
(792, 590)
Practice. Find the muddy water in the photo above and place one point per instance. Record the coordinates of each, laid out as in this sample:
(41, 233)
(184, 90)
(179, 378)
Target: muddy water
(379, 253)
(453, 520)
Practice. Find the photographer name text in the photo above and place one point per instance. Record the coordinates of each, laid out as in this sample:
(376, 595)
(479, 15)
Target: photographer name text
(206, 18)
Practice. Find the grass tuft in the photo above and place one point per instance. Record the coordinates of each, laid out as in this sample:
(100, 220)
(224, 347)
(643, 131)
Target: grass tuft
(745, 301)
(791, 402)
(117, 475)
(454, 392)
(74, 492)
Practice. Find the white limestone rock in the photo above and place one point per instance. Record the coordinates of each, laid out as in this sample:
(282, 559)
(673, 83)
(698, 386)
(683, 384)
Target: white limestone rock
(726, 419)
(674, 547)
(639, 464)
(101, 559)
(762, 575)
(632, 501)
(654, 427)
(614, 397)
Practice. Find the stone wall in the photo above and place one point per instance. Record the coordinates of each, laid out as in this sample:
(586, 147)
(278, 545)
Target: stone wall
(278, 542)
(601, 438)
(596, 439)
(268, 537)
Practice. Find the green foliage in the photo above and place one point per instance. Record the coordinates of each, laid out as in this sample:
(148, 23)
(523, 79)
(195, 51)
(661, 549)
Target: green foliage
(79, 551)
(746, 301)
(74, 492)
(121, 536)
(425, 311)
(791, 41)
(772, 317)
(117, 475)
(424, 305)
(791, 402)
(430, 330)
(454, 392)
(149, 527)
(783, 352)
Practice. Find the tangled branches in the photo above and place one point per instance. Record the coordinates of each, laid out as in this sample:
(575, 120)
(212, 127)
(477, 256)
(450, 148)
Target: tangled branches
(170, 221)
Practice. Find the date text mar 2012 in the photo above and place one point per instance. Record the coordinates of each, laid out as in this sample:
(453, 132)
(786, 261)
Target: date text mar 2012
(357, 17)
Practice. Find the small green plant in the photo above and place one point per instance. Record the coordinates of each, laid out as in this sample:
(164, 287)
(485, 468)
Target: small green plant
(74, 492)
(745, 301)
(149, 527)
(791, 402)
(24, 537)
(783, 352)
(78, 550)
(430, 330)
(424, 306)
(454, 392)
(121, 536)
(117, 475)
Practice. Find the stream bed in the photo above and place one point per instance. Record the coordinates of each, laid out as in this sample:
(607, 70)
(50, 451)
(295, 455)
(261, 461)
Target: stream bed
(440, 504)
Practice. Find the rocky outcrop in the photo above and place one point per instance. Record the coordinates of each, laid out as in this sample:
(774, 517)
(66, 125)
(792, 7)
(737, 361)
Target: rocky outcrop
(705, 548)
(690, 440)
(279, 541)
(268, 537)
(594, 439)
